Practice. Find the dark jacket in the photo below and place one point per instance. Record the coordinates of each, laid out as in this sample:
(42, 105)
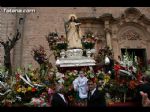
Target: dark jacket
(97, 99)
(57, 101)
(146, 89)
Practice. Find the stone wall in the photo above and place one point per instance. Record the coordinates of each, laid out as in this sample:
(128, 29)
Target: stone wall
(48, 19)
(7, 29)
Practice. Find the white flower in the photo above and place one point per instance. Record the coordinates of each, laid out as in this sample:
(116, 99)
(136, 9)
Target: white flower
(61, 81)
(59, 75)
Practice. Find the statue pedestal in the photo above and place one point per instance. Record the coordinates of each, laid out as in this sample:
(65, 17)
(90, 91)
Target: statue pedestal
(75, 58)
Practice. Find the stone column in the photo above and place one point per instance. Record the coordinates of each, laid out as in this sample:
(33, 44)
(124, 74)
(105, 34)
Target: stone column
(108, 34)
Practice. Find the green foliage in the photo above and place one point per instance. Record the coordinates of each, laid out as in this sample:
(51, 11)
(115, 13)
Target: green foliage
(88, 45)
(62, 46)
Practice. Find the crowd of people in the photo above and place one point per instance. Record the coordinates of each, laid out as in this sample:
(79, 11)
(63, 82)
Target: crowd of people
(88, 94)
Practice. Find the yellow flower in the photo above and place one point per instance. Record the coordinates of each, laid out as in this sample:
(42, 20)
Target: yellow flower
(31, 74)
(19, 90)
(29, 88)
(24, 90)
(106, 78)
(70, 73)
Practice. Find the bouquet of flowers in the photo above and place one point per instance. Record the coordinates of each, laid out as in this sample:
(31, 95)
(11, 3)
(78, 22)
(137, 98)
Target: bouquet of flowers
(61, 43)
(56, 42)
(28, 84)
(88, 40)
(39, 55)
(69, 78)
(52, 39)
(40, 101)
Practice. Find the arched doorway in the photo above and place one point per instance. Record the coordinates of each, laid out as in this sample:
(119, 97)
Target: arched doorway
(132, 38)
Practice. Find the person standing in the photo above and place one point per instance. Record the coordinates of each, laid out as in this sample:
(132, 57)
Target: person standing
(96, 98)
(145, 99)
(144, 87)
(58, 98)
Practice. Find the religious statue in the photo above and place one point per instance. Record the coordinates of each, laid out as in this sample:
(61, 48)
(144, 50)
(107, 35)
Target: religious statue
(73, 32)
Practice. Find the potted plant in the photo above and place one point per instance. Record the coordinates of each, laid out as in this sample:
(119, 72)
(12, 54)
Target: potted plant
(88, 40)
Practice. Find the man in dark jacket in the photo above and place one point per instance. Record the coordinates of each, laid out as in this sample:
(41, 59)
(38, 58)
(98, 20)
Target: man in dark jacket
(58, 99)
(96, 98)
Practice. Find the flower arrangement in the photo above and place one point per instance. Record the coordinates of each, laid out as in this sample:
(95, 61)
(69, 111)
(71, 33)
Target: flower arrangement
(40, 101)
(61, 43)
(100, 74)
(122, 91)
(69, 77)
(25, 92)
(39, 55)
(56, 42)
(33, 96)
(52, 39)
(88, 40)
(28, 84)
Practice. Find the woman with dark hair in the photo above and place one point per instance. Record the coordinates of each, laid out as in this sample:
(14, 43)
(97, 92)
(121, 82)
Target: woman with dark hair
(73, 33)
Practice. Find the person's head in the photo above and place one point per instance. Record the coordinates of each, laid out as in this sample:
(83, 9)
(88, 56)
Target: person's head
(72, 18)
(91, 85)
(101, 82)
(147, 78)
(81, 74)
(59, 88)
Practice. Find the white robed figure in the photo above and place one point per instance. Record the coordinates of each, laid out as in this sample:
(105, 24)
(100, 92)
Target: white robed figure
(73, 32)
(80, 85)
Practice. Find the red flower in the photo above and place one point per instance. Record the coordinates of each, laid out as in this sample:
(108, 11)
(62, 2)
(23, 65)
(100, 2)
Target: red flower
(132, 84)
(94, 79)
(64, 78)
(33, 89)
(117, 67)
(17, 76)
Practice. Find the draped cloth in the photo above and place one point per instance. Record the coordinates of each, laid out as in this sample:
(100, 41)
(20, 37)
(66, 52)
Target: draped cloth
(80, 85)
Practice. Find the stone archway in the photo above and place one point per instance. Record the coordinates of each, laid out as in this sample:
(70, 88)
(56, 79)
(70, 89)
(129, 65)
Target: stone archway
(133, 37)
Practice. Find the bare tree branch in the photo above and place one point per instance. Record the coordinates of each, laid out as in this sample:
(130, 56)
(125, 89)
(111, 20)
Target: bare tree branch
(8, 45)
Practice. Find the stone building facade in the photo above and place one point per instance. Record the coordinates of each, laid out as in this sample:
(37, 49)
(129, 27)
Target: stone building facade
(117, 27)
